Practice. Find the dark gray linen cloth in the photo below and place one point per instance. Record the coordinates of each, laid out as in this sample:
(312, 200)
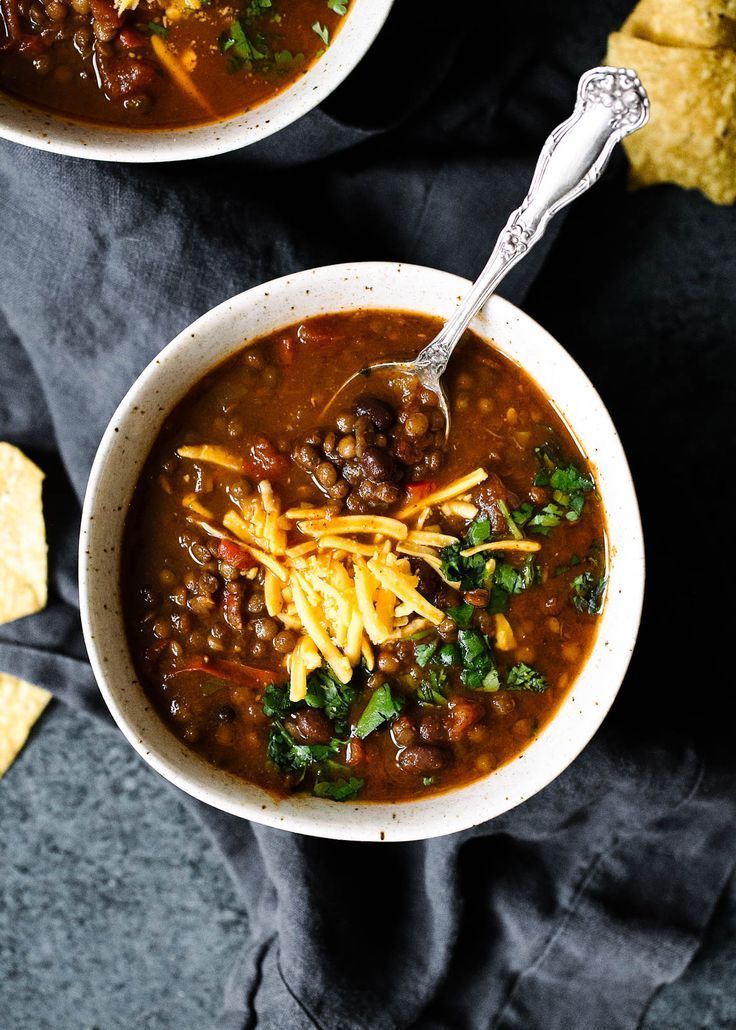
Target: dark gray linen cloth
(576, 908)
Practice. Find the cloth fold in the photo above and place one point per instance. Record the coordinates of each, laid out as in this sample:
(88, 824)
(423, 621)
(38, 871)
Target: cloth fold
(575, 908)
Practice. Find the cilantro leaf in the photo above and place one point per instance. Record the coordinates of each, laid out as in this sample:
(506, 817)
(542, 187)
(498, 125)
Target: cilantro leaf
(275, 701)
(424, 652)
(256, 8)
(338, 6)
(523, 513)
(338, 790)
(570, 480)
(431, 689)
(449, 655)
(588, 593)
(469, 572)
(157, 29)
(479, 666)
(381, 707)
(524, 677)
(510, 522)
(291, 757)
(239, 48)
(284, 59)
(546, 519)
(462, 615)
(325, 691)
(479, 532)
(323, 32)
(513, 580)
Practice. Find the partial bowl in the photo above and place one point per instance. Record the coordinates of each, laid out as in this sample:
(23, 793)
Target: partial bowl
(23, 123)
(118, 464)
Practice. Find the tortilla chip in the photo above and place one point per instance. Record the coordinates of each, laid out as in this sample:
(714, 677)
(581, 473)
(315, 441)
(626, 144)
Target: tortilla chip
(691, 136)
(20, 706)
(693, 23)
(23, 536)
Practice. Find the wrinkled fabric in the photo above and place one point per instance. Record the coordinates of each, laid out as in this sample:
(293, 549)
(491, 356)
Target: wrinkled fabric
(574, 909)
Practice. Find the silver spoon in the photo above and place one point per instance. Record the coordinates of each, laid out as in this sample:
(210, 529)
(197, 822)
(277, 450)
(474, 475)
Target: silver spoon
(611, 104)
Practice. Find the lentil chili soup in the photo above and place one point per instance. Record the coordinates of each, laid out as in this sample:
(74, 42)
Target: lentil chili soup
(347, 604)
(159, 63)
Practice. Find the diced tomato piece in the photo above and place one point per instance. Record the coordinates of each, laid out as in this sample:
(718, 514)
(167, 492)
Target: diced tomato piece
(416, 491)
(286, 350)
(230, 552)
(318, 334)
(224, 669)
(265, 460)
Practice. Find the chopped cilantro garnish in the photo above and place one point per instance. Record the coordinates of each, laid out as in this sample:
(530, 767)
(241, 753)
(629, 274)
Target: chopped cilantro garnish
(479, 532)
(510, 522)
(338, 790)
(157, 29)
(291, 757)
(498, 601)
(523, 513)
(449, 655)
(588, 593)
(546, 519)
(568, 483)
(338, 6)
(275, 701)
(325, 691)
(431, 689)
(479, 667)
(427, 781)
(424, 652)
(513, 580)
(323, 32)
(469, 572)
(461, 615)
(381, 707)
(239, 48)
(570, 480)
(285, 59)
(524, 677)
(256, 8)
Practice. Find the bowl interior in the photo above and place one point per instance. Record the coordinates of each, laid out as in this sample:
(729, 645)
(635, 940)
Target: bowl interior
(124, 449)
(43, 130)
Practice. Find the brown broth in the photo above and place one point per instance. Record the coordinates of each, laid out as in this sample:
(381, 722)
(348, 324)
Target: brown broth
(70, 83)
(499, 416)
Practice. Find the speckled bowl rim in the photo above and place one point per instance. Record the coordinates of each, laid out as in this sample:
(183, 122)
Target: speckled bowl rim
(23, 123)
(123, 450)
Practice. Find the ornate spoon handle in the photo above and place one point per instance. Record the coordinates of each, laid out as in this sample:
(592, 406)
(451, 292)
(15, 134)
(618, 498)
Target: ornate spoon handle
(611, 103)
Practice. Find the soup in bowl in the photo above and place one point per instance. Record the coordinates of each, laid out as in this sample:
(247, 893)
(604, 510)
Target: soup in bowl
(335, 618)
(153, 80)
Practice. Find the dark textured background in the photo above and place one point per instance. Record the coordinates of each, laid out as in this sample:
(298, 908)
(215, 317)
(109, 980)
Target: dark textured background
(117, 910)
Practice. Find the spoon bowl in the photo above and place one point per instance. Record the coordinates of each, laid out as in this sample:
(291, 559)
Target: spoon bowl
(611, 104)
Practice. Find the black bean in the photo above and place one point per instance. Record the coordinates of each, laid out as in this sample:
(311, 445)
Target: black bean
(380, 413)
(377, 465)
(226, 713)
(422, 760)
(313, 726)
(433, 728)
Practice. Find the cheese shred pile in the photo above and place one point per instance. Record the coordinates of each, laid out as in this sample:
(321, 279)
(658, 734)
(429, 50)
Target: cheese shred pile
(347, 585)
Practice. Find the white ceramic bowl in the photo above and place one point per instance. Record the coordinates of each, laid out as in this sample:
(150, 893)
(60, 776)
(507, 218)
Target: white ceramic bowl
(23, 123)
(126, 444)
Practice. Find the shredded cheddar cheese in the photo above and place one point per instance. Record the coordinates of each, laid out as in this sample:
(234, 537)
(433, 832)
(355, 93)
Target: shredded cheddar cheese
(344, 583)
